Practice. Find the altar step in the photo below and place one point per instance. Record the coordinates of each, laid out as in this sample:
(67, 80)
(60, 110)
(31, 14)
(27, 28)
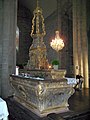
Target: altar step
(70, 116)
(79, 109)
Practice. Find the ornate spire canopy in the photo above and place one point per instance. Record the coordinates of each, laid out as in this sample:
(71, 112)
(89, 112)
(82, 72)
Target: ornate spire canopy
(37, 51)
(38, 27)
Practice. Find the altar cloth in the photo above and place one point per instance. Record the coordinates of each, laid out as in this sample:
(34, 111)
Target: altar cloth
(71, 80)
(3, 110)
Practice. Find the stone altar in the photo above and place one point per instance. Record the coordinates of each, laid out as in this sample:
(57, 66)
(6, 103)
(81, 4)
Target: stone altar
(44, 73)
(42, 96)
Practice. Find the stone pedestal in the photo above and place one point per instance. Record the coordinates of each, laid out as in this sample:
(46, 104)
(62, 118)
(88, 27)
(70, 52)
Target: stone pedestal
(42, 96)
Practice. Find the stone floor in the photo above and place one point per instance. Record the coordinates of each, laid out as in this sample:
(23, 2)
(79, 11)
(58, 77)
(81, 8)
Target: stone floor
(79, 106)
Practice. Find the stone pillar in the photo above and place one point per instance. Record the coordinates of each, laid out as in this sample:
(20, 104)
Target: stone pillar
(8, 20)
(80, 48)
(59, 26)
(75, 49)
(79, 38)
(85, 45)
(0, 42)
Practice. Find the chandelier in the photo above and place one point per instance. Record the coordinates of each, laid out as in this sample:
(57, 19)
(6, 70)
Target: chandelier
(57, 43)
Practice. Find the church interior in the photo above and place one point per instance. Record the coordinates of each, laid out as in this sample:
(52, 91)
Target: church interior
(45, 59)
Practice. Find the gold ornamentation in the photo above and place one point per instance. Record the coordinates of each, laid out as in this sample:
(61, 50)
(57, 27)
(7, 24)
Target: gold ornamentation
(57, 74)
(37, 51)
(36, 19)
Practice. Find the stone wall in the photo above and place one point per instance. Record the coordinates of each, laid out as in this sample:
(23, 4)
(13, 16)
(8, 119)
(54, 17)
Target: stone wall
(66, 54)
(24, 18)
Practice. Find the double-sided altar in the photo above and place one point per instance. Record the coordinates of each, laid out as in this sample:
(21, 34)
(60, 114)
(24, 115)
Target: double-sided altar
(38, 88)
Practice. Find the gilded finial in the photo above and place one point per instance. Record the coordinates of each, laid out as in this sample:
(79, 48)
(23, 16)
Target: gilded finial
(36, 22)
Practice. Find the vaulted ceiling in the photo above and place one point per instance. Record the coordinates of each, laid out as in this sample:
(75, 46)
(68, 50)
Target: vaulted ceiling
(48, 6)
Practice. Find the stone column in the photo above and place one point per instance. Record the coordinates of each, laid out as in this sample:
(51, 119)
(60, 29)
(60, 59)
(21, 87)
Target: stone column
(0, 42)
(8, 14)
(85, 45)
(79, 38)
(59, 27)
(80, 48)
(75, 37)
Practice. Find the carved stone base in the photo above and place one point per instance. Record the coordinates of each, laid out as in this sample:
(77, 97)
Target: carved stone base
(42, 96)
(43, 113)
